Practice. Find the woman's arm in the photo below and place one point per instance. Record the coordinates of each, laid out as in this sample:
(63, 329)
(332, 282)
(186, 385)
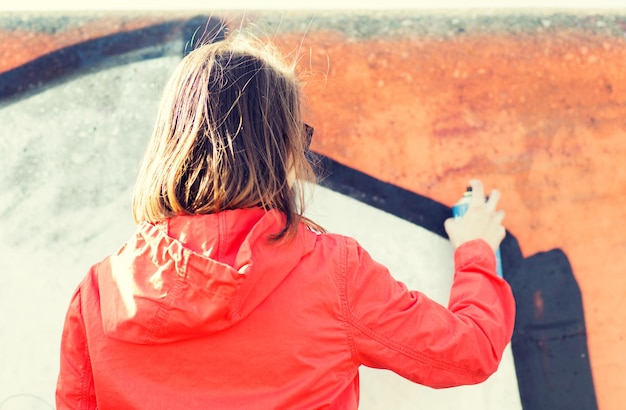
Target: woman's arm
(423, 341)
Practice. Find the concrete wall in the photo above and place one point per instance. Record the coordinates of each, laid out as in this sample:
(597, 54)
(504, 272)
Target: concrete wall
(406, 107)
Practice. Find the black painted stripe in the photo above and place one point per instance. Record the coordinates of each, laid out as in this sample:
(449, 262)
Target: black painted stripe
(70, 61)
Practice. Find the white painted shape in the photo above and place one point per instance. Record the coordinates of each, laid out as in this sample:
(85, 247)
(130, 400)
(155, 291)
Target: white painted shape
(70, 155)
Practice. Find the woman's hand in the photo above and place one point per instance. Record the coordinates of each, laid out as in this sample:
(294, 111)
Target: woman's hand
(481, 221)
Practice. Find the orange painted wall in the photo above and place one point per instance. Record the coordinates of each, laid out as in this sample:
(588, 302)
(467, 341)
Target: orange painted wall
(541, 116)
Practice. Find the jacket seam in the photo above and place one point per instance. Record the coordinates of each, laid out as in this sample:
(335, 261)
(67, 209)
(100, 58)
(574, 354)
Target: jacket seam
(343, 295)
(400, 348)
(221, 235)
(86, 378)
(163, 310)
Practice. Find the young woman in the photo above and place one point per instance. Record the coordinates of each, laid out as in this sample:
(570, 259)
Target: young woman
(227, 297)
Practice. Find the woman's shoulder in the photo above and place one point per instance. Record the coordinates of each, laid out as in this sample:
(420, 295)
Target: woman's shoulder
(334, 239)
(339, 246)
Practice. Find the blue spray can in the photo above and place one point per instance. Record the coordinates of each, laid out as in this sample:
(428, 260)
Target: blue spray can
(459, 209)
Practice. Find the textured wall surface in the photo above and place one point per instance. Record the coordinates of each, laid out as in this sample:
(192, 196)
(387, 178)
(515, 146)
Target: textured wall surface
(406, 106)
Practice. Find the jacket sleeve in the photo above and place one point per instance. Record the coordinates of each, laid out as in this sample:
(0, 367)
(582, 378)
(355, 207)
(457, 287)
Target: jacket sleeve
(421, 340)
(75, 387)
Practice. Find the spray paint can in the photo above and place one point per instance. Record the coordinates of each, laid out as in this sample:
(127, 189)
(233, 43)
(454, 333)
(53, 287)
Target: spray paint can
(459, 209)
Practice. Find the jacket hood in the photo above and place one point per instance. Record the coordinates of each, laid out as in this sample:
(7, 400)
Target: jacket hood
(193, 275)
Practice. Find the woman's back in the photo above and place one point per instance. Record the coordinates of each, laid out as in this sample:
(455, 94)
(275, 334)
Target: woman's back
(200, 334)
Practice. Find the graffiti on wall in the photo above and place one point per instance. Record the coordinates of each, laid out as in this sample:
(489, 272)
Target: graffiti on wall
(406, 109)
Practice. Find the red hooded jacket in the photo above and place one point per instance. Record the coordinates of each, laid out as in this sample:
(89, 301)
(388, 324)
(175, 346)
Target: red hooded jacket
(203, 312)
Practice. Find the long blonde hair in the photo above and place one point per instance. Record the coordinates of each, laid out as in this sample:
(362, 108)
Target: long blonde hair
(227, 134)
